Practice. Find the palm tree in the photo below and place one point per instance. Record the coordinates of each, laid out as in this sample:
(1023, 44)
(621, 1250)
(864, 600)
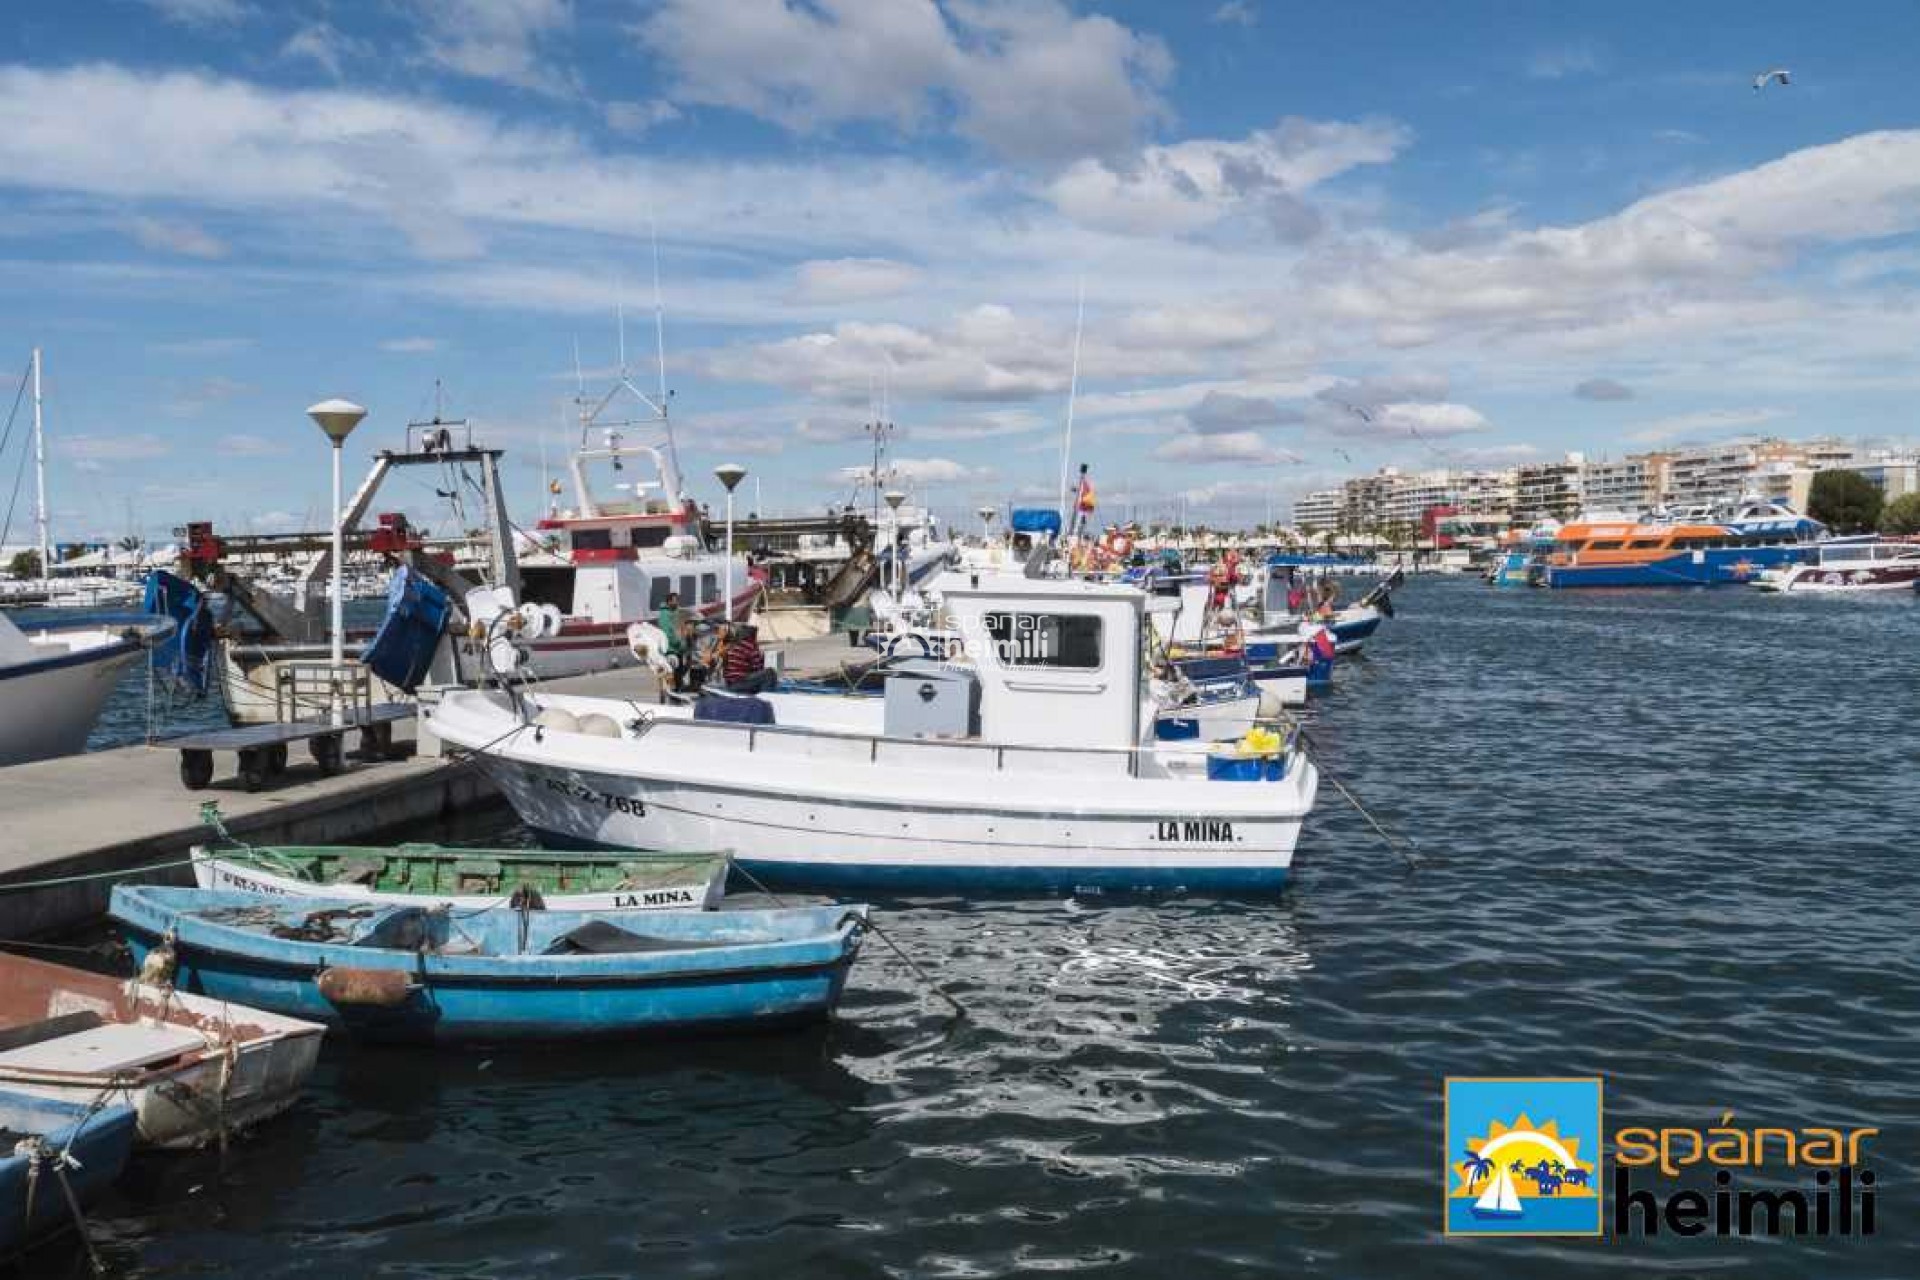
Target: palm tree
(1478, 1169)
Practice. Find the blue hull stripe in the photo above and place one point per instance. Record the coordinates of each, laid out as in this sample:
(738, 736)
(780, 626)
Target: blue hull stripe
(913, 878)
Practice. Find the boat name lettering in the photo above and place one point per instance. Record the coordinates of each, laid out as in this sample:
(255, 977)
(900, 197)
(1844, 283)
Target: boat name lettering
(587, 795)
(655, 898)
(1203, 830)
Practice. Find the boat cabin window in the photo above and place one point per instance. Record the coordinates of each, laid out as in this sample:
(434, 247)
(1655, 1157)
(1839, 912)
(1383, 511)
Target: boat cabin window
(709, 586)
(543, 585)
(686, 590)
(1066, 640)
(658, 589)
(1604, 544)
(1641, 544)
(592, 539)
(649, 535)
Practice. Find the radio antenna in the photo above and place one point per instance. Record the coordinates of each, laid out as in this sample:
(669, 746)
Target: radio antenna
(659, 315)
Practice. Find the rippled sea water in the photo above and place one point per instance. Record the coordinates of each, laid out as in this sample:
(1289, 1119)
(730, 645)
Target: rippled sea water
(1665, 838)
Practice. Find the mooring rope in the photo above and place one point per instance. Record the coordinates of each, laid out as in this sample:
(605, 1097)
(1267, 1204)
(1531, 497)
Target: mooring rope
(1402, 845)
(918, 972)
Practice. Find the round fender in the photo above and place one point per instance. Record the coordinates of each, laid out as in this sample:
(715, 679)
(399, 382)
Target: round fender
(379, 988)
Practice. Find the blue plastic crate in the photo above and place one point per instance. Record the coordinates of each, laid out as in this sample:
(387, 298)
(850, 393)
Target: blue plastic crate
(1222, 767)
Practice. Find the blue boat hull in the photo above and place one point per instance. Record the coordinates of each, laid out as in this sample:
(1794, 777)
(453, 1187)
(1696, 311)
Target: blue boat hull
(1714, 567)
(100, 1143)
(521, 999)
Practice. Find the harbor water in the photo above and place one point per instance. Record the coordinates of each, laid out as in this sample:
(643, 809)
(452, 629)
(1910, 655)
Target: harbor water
(1665, 838)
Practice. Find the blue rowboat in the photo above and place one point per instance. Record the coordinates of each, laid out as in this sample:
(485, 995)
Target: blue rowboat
(90, 1147)
(399, 972)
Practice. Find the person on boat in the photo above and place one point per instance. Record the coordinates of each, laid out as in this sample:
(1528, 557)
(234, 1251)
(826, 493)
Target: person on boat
(1326, 597)
(672, 624)
(1296, 593)
(738, 661)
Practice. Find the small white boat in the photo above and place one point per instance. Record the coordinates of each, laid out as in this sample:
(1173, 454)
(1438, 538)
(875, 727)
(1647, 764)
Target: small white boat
(1035, 767)
(189, 1066)
(57, 673)
(1845, 566)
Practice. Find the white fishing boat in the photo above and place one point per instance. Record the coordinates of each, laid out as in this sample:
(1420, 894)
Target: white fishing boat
(1034, 768)
(57, 673)
(189, 1066)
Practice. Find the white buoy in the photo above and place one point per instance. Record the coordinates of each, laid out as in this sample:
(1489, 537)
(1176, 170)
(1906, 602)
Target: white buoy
(558, 719)
(595, 725)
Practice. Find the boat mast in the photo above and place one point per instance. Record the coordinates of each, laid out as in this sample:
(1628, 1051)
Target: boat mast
(1073, 391)
(40, 474)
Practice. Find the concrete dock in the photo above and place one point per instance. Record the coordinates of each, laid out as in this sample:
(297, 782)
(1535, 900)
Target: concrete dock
(106, 811)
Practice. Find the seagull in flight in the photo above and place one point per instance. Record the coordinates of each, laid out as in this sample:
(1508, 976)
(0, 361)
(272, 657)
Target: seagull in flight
(1766, 77)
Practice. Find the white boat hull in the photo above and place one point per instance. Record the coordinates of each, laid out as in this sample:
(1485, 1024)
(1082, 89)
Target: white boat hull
(186, 1105)
(836, 811)
(47, 710)
(1290, 690)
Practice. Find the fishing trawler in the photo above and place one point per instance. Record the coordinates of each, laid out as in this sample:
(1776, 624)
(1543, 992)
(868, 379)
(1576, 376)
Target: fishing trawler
(607, 563)
(1033, 768)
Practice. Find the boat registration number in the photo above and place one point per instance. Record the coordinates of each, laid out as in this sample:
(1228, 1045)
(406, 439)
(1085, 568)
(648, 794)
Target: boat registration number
(599, 799)
(225, 879)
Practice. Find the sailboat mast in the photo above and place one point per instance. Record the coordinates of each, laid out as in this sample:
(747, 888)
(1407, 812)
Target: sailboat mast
(1073, 392)
(40, 474)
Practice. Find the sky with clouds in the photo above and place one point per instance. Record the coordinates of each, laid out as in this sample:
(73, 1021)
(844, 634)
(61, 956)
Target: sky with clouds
(1308, 239)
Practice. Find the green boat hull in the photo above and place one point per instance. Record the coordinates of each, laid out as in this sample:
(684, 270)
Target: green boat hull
(616, 881)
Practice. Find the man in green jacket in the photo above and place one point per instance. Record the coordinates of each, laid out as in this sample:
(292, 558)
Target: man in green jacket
(668, 620)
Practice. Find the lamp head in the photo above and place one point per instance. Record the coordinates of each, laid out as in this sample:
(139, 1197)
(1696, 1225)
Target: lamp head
(894, 498)
(730, 474)
(337, 418)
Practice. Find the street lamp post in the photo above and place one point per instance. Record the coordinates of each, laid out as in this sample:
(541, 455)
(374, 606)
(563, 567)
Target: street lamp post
(986, 524)
(337, 418)
(894, 499)
(729, 474)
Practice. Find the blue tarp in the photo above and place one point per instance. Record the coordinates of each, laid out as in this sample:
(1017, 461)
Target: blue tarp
(1035, 520)
(185, 659)
(733, 710)
(402, 650)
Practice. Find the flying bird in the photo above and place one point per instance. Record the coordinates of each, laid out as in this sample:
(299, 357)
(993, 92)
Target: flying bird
(1778, 73)
(1358, 412)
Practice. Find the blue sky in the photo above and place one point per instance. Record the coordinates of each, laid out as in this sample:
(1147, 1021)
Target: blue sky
(1503, 231)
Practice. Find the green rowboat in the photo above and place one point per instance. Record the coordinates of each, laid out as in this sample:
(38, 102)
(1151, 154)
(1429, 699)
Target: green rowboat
(470, 878)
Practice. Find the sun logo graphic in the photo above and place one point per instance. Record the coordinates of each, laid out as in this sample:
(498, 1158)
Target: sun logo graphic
(1523, 1157)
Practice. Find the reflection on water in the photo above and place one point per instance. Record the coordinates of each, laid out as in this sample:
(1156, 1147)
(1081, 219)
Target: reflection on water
(1666, 839)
